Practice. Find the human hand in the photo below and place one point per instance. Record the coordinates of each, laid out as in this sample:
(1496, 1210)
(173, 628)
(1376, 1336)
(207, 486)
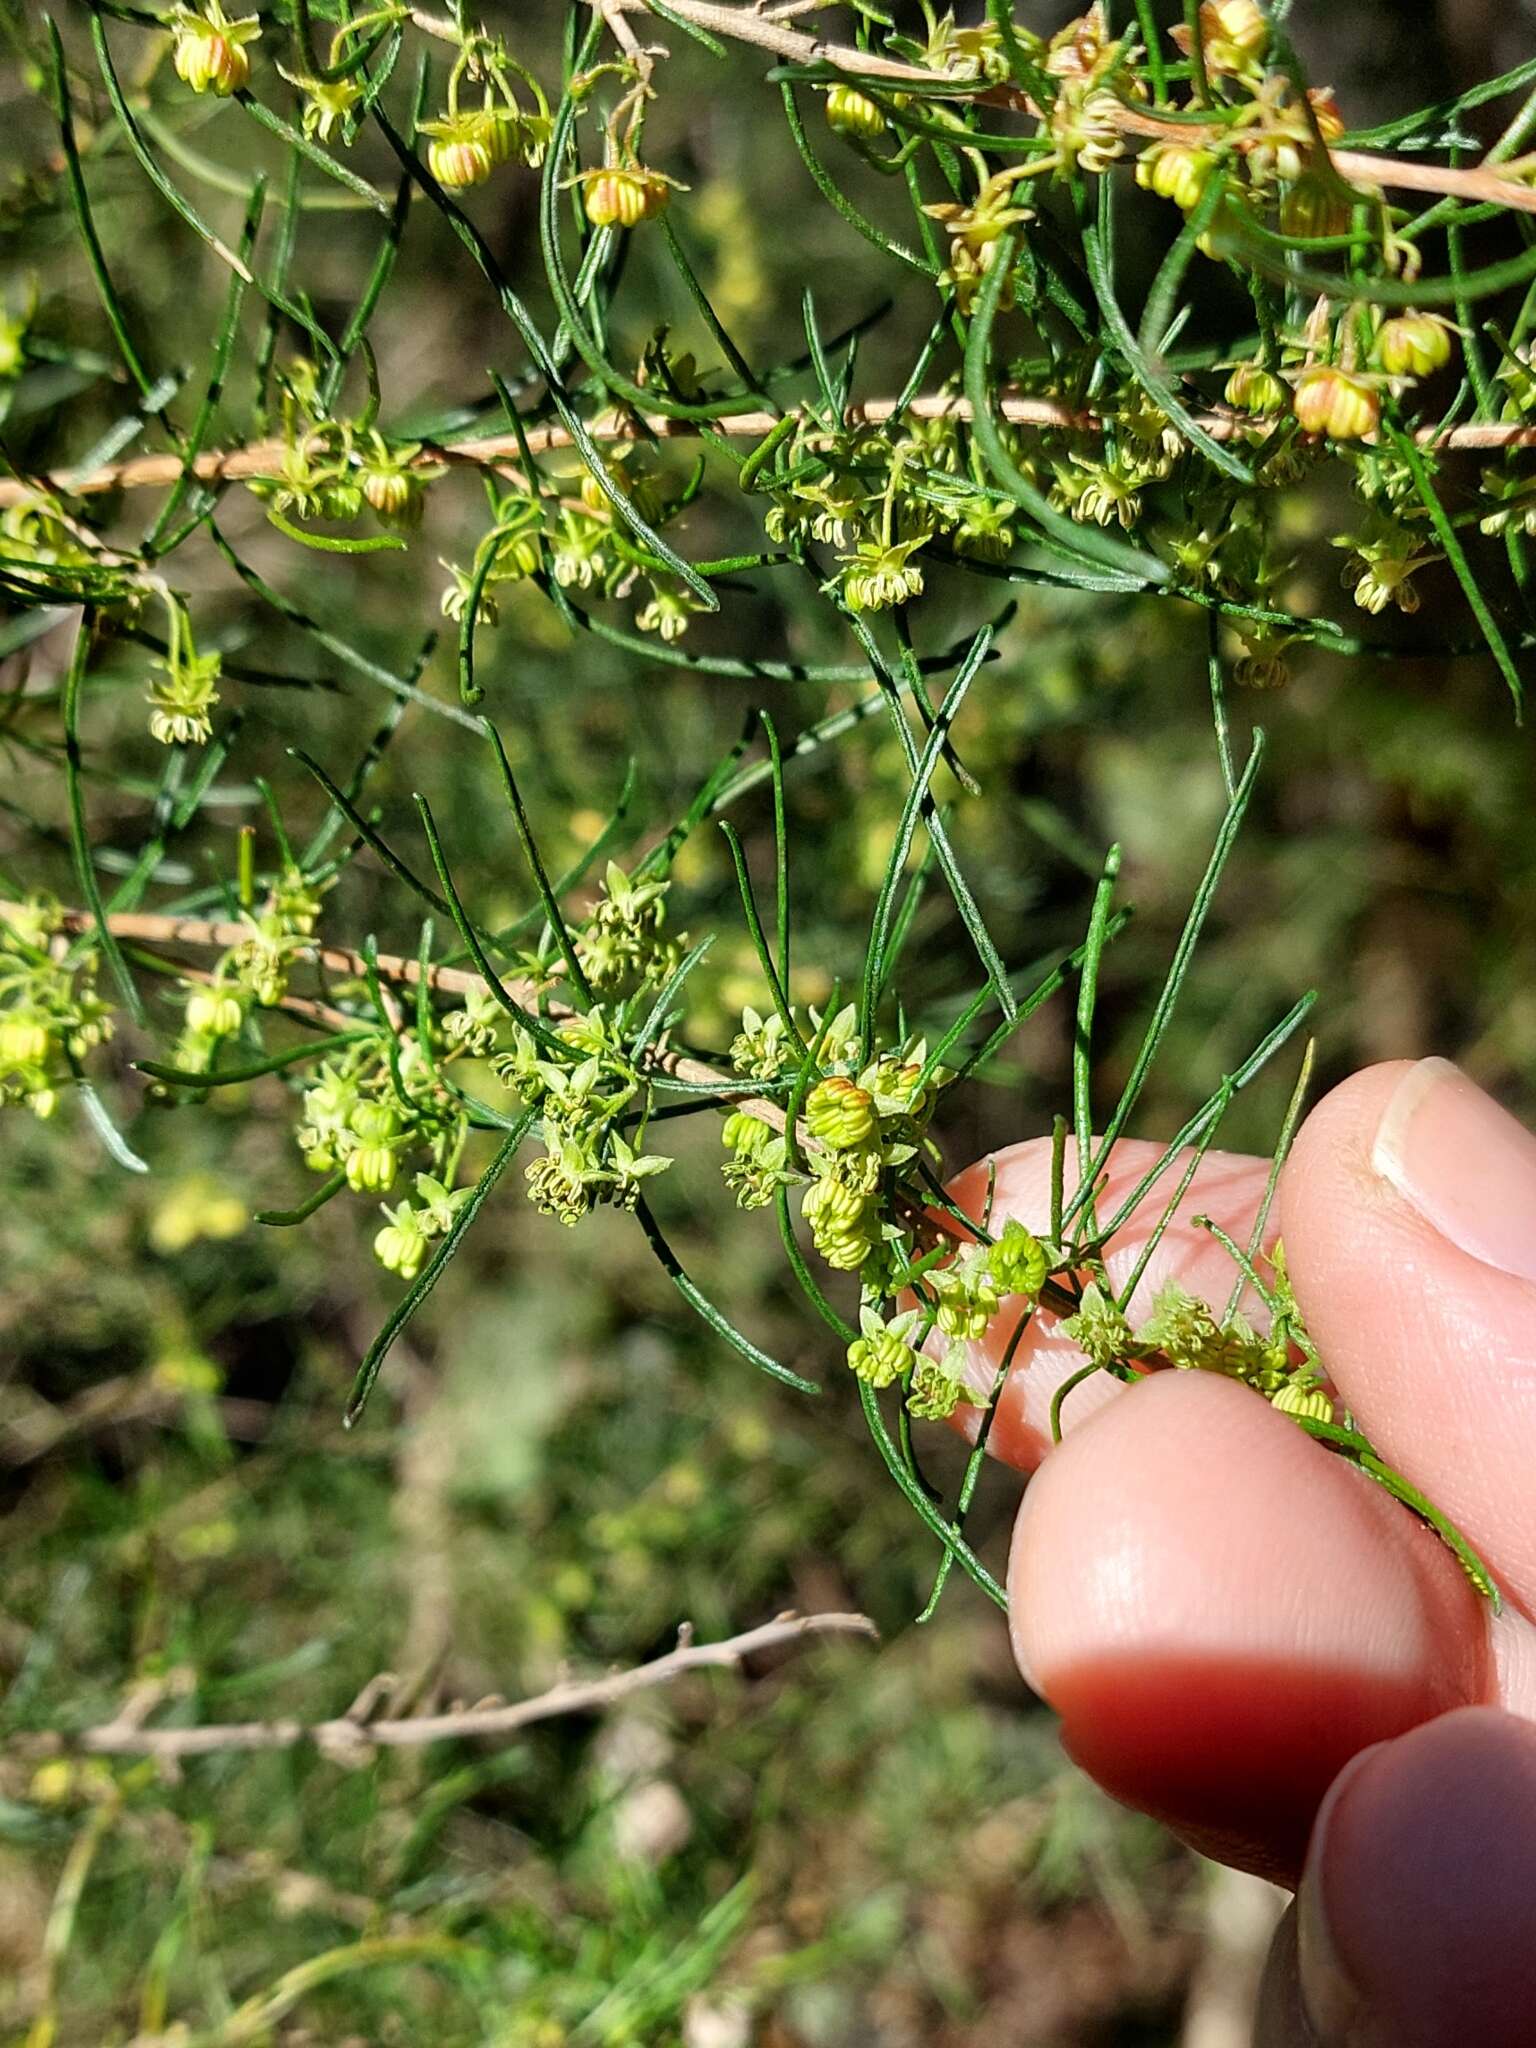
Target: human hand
(1229, 1618)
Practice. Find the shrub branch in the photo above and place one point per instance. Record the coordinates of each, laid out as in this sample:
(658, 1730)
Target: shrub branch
(502, 452)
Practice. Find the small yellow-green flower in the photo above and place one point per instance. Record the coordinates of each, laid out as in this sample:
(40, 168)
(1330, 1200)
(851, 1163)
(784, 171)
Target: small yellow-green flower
(937, 1388)
(1252, 388)
(208, 49)
(1414, 344)
(1176, 170)
(327, 101)
(1018, 1262)
(881, 1352)
(401, 1246)
(214, 1012)
(623, 195)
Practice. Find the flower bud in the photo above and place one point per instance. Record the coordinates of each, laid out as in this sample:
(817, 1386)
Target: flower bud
(371, 1169)
(1336, 402)
(1018, 1263)
(831, 1206)
(844, 1250)
(1413, 345)
(624, 195)
(880, 1358)
(854, 113)
(1262, 666)
(374, 1121)
(401, 1246)
(745, 1134)
(214, 1013)
(1252, 388)
(1176, 171)
(497, 130)
(394, 494)
(1312, 208)
(23, 1040)
(841, 1113)
(209, 60)
(1309, 1402)
(459, 161)
(1234, 34)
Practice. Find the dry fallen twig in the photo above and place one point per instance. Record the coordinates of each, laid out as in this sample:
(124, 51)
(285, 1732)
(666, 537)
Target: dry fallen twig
(353, 1736)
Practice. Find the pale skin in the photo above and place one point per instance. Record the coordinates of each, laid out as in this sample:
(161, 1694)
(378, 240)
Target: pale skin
(1247, 1638)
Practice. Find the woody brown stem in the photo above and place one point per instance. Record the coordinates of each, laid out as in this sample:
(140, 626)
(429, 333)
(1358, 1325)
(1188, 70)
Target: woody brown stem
(750, 25)
(500, 451)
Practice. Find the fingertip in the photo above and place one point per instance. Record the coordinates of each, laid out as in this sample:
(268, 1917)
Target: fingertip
(1416, 1922)
(1408, 1215)
(1223, 1612)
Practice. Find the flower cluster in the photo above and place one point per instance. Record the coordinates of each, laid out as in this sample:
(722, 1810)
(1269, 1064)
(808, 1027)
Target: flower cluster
(253, 972)
(864, 1131)
(568, 532)
(583, 1100)
(50, 1013)
(620, 944)
(928, 1345)
(867, 1122)
(881, 496)
(1186, 1333)
(467, 143)
(335, 469)
(363, 1111)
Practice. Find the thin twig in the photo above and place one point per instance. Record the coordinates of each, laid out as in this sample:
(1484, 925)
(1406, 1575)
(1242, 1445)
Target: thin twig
(750, 25)
(499, 451)
(349, 1737)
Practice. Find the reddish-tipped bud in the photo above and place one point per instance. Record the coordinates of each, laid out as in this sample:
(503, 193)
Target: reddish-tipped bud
(459, 161)
(1336, 402)
(623, 195)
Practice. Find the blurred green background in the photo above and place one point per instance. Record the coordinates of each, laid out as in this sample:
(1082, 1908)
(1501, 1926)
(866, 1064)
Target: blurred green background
(853, 1845)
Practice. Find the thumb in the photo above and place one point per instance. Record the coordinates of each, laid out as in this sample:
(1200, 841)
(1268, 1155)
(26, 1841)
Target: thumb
(1415, 1924)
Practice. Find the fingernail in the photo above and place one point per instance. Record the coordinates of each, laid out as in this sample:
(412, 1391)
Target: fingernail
(1333, 2005)
(1464, 1164)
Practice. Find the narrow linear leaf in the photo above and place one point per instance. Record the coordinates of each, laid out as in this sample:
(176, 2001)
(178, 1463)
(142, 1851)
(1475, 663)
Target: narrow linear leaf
(442, 1255)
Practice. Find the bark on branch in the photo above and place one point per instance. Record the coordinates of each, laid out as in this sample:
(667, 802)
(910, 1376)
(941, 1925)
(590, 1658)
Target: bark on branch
(501, 451)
